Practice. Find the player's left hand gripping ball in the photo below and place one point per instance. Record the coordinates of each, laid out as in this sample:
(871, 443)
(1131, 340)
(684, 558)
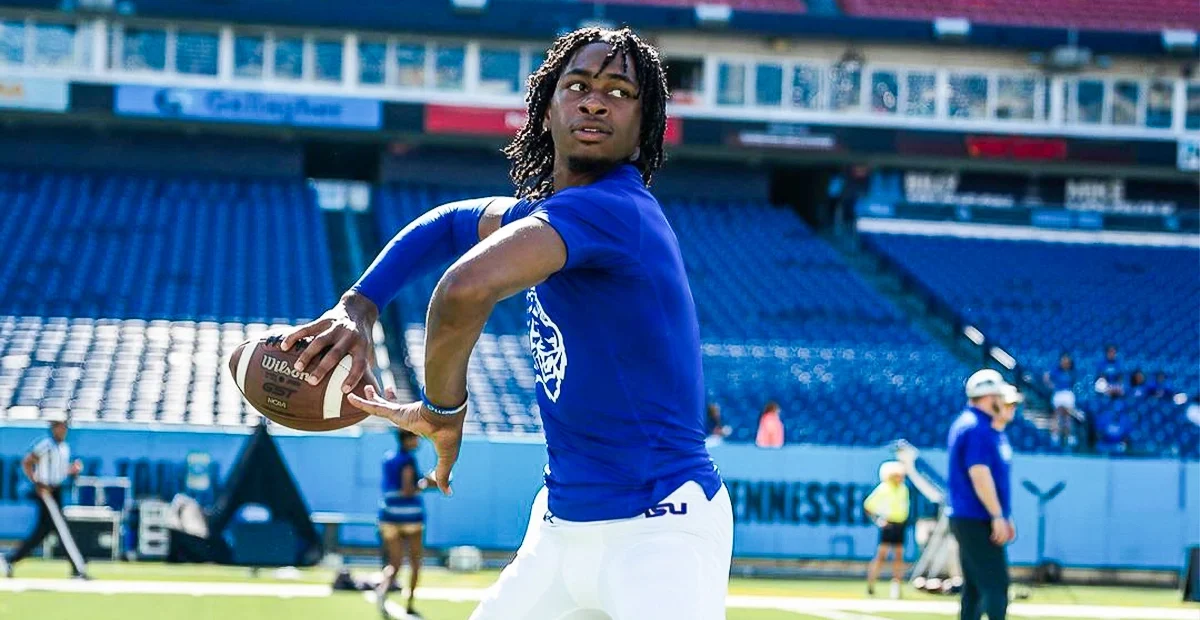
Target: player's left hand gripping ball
(268, 379)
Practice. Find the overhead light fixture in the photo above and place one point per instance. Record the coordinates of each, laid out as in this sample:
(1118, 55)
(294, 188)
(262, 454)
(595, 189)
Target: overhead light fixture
(1181, 42)
(713, 15)
(951, 28)
(469, 6)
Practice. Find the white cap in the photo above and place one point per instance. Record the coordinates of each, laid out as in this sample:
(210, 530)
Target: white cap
(1012, 395)
(986, 382)
(889, 469)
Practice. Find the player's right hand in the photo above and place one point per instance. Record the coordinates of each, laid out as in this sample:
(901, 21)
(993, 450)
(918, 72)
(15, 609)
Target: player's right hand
(1000, 531)
(344, 329)
(444, 431)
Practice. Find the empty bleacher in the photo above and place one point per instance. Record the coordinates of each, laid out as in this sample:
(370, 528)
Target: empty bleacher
(111, 370)
(99, 245)
(782, 318)
(123, 293)
(1040, 299)
(1115, 15)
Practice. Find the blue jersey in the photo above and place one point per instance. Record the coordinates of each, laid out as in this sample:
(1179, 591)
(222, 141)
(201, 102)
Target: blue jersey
(393, 506)
(1062, 380)
(616, 353)
(972, 441)
(1110, 370)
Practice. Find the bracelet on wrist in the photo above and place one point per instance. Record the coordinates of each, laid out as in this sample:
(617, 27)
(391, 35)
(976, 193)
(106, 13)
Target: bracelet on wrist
(443, 410)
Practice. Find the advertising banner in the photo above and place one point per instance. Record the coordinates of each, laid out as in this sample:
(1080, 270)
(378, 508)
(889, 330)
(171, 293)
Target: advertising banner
(248, 107)
(800, 501)
(33, 94)
(499, 122)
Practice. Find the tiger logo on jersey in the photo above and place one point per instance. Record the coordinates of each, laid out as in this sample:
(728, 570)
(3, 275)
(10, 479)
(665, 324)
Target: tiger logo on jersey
(546, 344)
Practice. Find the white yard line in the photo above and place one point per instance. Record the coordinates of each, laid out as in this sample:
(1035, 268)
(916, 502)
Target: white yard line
(829, 614)
(201, 588)
(950, 607)
(394, 609)
(850, 609)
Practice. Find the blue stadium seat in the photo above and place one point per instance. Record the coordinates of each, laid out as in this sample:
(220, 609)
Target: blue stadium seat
(123, 293)
(111, 370)
(99, 245)
(782, 317)
(1040, 299)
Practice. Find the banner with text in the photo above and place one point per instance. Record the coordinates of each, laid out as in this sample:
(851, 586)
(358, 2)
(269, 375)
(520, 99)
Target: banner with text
(796, 502)
(33, 94)
(233, 106)
(500, 122)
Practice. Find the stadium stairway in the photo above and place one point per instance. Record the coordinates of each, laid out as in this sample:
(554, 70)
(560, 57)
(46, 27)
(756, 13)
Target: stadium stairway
(353, 243)
(926, 313)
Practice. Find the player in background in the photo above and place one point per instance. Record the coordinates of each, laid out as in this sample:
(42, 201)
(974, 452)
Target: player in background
(402, 515)
(634, 520)
(47, 465)
(888, 507)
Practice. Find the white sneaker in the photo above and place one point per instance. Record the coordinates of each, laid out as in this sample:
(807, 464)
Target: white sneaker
(895, 589)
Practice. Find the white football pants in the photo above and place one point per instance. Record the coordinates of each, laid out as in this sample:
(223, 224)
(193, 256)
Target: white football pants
(668, 566)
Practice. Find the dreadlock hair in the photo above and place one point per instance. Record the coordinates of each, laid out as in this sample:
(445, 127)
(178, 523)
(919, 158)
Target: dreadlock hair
(532, 150)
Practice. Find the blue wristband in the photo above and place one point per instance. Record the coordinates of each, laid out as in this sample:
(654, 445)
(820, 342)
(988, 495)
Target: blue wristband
(442, 410)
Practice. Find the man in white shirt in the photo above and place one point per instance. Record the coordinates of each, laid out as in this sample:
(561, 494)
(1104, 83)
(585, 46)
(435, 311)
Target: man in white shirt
(47, 465)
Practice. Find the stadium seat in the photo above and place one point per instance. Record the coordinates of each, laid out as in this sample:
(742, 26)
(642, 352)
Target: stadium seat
(124, 293)
(782, 317)
(107, 245)
(1041, 299)
(160, 372)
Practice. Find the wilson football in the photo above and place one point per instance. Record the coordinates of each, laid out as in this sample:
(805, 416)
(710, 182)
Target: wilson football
(270, 383)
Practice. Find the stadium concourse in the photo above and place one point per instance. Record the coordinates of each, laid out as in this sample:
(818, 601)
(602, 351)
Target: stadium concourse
(873, 199)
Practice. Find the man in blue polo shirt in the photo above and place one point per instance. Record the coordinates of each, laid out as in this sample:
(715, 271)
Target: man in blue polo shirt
(981, 493)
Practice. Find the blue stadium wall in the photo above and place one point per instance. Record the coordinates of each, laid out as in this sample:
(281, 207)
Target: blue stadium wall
(798, 502)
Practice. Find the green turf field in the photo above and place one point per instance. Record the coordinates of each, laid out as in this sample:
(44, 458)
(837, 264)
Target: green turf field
(790, 594)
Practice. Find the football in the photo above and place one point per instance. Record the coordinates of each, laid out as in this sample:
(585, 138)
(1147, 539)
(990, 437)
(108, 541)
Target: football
(270, 383)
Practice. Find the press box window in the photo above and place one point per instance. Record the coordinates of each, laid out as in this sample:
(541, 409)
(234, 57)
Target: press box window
(248, 56)
(685, 79)
(885, 92)
(448, 68)
(54, 45)
(768, 85)
(731, 84)
(289, 58)
(196, 53)
(410, 65)
(499, 71)
(144, 49)
(372, 62)
(12, 42)
(327, 61)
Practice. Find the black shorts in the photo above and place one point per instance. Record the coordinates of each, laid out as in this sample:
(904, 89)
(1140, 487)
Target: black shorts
(892, 534)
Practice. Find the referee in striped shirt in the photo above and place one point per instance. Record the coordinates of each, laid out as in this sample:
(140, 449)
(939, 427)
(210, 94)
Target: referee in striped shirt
(47, 466)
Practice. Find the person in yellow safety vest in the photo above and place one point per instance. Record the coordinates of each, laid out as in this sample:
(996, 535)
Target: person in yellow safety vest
(887, 505)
